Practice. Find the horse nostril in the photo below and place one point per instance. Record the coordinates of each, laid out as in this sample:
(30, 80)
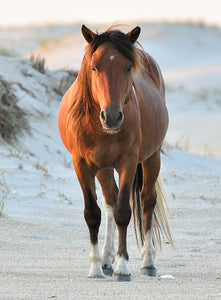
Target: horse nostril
(120, 116)
(103, 116)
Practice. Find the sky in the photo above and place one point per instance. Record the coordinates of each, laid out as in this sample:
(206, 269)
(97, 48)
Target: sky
(29, 12)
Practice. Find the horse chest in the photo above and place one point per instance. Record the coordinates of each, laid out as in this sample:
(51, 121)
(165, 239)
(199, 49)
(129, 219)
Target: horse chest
(102, 152)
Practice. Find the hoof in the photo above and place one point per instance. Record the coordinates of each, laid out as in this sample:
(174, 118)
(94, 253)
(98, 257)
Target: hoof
(108, 271)
(149, 271)
(96, 272)
(121, 277)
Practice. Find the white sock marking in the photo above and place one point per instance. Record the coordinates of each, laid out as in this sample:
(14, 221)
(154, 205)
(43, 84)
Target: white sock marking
(122, 266)
(148, 251)
(95, 259)
(108, 249)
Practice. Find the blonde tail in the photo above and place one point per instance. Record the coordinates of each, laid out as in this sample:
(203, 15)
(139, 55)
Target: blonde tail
(160, 224)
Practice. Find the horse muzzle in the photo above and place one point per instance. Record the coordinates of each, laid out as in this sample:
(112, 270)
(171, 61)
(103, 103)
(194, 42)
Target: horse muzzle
(111, 119)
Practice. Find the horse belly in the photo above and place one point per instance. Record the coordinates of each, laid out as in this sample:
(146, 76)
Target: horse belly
(154, 125)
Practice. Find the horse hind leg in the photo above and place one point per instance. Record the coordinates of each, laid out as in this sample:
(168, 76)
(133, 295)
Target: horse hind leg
(122, 214)
(151, 169)
(110, 191)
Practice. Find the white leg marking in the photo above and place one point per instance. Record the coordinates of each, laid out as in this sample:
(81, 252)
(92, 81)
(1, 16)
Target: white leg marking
(108, 249)
(95, 259)
(122, 266)
(148, 251)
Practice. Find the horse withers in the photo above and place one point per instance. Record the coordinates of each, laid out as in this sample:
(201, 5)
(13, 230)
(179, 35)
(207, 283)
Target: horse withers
(114, 117)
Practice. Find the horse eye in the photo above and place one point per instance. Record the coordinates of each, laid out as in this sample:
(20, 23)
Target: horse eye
(93, 68)
(129, 68)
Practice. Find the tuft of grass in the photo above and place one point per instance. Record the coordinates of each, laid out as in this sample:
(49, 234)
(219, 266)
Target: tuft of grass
(67, 162)
(213, 95)
(12, 117)
(65, 82)
(172, 89)
(65, 198)
(38, 63)
(14, 153)
(42, 167)
(2, 204)
(6, 52)
(4, 193)
(183, 143)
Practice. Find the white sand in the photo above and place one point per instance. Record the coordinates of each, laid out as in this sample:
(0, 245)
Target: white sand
(44, 241)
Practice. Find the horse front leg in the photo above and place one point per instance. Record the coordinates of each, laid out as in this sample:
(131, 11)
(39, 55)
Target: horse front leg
(92, 215)
(122, 214)
(110, 192)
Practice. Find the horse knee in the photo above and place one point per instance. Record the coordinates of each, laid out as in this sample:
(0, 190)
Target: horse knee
(122, 215)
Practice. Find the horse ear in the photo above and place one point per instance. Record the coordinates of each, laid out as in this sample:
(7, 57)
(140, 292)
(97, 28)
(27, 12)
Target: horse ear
(134, 34)
(88, 34)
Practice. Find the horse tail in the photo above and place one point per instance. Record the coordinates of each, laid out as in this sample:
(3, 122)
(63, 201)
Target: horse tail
(137, 212)
(160, 224)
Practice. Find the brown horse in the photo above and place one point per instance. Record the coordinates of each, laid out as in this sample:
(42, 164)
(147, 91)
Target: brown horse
(114, 116)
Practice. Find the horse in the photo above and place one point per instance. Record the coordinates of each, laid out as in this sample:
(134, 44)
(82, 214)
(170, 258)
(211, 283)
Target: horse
(114, 118)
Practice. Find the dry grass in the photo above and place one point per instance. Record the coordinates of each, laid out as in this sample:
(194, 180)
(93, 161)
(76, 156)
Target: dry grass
(12, 117)
(211, 95)
(38, 63)
(66, 81)
(4, 191)
(6, 52)
(42, 167)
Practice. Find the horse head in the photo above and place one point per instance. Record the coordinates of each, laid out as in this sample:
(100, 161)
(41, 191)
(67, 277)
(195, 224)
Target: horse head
(111, 64)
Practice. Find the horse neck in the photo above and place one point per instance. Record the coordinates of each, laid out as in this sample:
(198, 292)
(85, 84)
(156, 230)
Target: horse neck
(85, 110)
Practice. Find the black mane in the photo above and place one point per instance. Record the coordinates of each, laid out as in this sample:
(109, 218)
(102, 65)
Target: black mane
(119, 40)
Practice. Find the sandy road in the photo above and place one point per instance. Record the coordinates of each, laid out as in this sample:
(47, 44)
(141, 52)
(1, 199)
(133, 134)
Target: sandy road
(45, 247)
